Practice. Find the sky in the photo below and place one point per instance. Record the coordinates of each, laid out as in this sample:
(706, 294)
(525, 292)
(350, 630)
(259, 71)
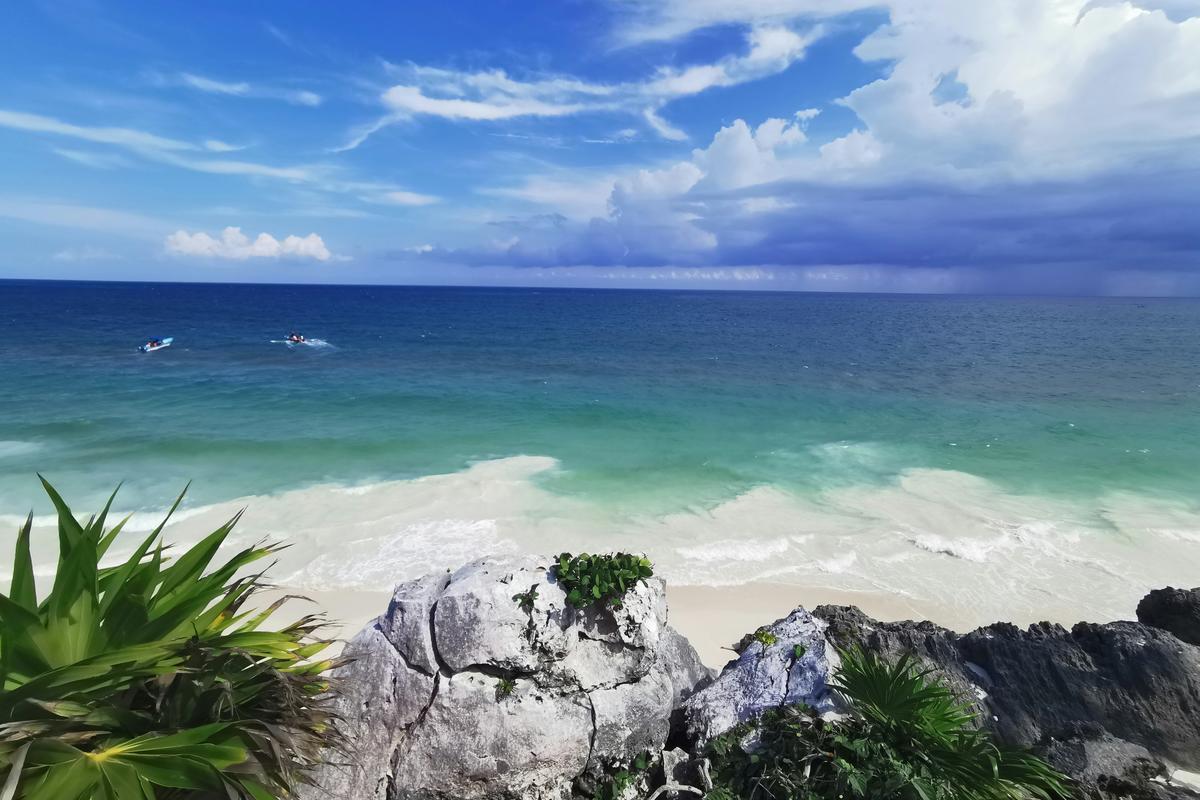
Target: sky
(990, 146)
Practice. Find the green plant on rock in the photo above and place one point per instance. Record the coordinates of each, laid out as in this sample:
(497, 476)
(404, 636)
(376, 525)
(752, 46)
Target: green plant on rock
(526, 599)
(616, 783)
(147, 680)
(906, 737)
(504, 688)
(764, 637)
(602, 579)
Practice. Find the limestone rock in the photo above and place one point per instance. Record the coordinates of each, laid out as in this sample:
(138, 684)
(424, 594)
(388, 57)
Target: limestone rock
(461, 692)
(793, 669)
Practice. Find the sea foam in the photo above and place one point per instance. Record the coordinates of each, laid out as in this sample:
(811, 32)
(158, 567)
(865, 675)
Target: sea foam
(948, 541)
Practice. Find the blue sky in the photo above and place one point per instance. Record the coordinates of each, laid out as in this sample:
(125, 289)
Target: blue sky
(857, 145)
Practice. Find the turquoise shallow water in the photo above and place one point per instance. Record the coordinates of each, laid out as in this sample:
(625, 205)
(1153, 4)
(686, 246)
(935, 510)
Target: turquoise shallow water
(650, 400)
(980, 457)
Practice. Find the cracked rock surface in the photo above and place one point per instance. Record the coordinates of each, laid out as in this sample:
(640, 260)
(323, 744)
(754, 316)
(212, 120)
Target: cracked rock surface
(791, 669)
(459, 691)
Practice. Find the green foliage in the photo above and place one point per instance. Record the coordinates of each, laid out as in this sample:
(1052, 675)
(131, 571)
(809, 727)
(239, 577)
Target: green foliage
(798, 651)
(906, 737)
(764, 637)
(615, 784)
(147, 680)
(601, 579)
(504, 688)
(526, 599)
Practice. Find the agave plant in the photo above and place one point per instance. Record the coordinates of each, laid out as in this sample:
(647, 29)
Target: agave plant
(906, 737)
(147, 679)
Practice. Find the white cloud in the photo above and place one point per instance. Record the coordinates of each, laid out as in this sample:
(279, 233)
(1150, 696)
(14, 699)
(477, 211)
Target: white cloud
(663, 128)
(235, 245)
(72, 215)
(404, 198)
(241, 88)
(217, 146)
(411, 100)
(122, 137)
(202, 158)
(86, 253)
(660, 20)
(493, 95)
(1057, 87)
(93, 159)
(298, 97)
(574, 195)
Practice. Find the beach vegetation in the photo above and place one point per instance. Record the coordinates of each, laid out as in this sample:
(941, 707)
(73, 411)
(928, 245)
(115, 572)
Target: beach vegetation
(904, 736)
(764, 637)
(504, 688)
(616, 783)
(600, 579)
(156, 675)
(526, 599)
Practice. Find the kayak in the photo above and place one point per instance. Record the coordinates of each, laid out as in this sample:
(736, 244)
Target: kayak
(146, 348)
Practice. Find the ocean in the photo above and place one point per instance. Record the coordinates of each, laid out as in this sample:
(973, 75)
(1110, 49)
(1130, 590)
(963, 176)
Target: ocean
(996, 457)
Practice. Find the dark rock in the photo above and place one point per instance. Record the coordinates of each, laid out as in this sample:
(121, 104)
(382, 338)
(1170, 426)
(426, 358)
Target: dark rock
(1174, 610)
(1106, 767)
(1093, 691)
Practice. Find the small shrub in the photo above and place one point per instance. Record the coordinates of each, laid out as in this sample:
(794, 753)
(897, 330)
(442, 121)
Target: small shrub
(906, 737)
(526, 599)
(504, 688)
(764, 637)
(798, 651)
(601, 579)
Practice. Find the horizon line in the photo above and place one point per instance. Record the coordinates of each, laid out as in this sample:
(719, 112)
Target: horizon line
(537, 287)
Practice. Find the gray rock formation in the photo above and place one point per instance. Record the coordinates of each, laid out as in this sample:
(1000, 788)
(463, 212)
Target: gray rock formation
(1090, 693)
(460, 691)
(1174, 610)
(792, 669)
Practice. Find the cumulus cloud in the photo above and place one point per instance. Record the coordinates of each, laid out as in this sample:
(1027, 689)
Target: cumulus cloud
(237, 246)
(493, 95)
(1045, 144)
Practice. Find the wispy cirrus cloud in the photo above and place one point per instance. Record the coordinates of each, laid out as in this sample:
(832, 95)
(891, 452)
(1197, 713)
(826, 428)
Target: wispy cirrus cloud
(206, 157)
(494, 95)
(121, 137)
(299, 97)
(664, 20)
(42, 211)
(87, 253)
(93, 159)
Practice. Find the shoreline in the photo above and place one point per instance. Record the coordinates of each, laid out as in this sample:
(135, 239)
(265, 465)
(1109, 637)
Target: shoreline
(712, 618)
